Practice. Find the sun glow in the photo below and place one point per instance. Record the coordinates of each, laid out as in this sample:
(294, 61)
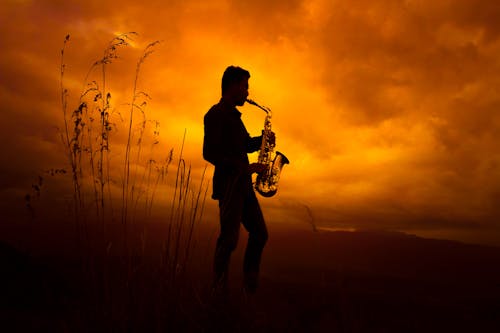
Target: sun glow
(375, 105)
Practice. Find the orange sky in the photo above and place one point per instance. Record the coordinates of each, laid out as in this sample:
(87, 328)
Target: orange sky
(388, 110)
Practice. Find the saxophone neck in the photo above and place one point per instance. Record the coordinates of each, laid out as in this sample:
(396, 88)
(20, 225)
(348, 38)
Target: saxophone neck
(264, 108)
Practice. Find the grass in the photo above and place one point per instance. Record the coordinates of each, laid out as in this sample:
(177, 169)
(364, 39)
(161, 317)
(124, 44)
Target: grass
(124, 288)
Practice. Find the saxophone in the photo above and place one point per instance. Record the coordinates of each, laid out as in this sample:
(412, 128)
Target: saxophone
(267, 182)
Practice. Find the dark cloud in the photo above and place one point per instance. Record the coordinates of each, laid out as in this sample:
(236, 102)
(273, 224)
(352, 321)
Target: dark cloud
(388, 110)
(267, 20)
(368, 50)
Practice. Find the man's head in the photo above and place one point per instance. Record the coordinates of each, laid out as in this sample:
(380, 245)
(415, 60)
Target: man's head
(235, 85)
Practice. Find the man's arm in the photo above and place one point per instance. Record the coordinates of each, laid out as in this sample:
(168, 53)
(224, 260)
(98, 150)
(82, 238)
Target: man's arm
(253, 144)
(214, 145)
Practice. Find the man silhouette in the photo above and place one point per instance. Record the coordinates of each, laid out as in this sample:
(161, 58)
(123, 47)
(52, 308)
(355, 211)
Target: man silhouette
(226, 145)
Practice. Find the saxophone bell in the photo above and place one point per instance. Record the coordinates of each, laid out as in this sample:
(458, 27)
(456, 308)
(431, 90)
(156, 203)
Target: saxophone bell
(267, 182)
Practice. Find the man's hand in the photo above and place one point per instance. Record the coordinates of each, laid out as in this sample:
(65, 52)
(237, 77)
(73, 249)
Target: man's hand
(256, 167)
(272, 138)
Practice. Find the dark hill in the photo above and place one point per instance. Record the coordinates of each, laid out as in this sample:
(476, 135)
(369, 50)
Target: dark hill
(362, 281)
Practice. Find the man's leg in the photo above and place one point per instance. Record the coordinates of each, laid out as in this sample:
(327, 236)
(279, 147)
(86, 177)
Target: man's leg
(254, 223)
(230, 208)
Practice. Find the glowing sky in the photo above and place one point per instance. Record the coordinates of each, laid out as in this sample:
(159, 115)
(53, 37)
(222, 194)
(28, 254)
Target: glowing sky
(388, 110)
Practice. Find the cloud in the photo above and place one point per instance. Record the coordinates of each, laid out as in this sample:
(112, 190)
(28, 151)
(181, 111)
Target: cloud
(387, 110)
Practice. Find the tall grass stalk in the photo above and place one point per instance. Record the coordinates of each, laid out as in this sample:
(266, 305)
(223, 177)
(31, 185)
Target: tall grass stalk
(110, 53)
(162, 173)
(126, 194)
(116, 287)
(173, 205)
(71, 145)
(79, 139)
(185, 211)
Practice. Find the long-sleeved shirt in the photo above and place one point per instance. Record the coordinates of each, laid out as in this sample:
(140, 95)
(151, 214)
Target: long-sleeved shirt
(226, 145)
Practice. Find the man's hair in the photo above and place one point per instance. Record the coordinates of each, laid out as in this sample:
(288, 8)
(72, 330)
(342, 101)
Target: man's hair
(232, 75)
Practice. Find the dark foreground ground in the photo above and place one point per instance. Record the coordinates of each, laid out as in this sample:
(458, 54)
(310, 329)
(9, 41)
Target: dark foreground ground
(311, 282)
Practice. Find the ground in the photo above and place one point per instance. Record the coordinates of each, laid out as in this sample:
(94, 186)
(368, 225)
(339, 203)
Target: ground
(324, 281)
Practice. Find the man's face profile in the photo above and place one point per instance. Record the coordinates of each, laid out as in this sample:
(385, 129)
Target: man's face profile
(241, 92)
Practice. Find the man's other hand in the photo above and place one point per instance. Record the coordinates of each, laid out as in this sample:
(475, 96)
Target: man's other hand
(272, 138)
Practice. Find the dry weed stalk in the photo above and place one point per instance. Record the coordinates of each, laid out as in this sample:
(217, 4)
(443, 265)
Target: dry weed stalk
(86, 137)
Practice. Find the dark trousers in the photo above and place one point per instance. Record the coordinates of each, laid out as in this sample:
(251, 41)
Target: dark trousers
(239, 205)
